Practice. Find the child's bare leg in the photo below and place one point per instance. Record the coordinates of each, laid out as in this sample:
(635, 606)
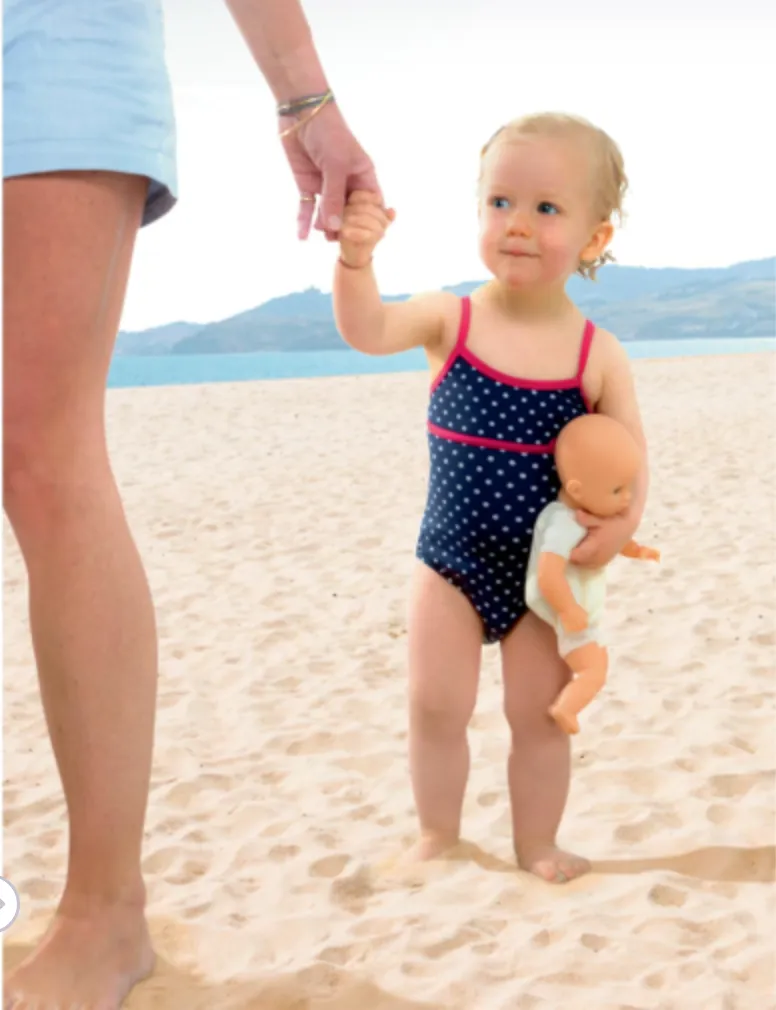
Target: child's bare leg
(589, 664)
(540, 755)
(445, 648)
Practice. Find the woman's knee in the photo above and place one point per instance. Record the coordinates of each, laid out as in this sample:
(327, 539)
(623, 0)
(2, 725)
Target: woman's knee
(47, 465)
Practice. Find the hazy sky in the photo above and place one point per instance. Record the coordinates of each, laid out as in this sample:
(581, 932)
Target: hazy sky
(682, 86)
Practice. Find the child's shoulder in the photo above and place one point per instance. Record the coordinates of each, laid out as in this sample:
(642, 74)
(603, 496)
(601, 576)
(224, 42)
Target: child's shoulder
(605, 346)
(447, 304)
(607, 360)
(443, 309)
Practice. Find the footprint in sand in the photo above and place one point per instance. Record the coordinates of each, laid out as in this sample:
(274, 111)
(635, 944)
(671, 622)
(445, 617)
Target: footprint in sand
(282, 853)
(485, 949)
(157, 863)
(717, 813)
(733, 786)
(667, 897)
(644, 829)
(316, 743)
(594, 942)
(329, 866)
(462, 938)
(488, 799)
(351, 893)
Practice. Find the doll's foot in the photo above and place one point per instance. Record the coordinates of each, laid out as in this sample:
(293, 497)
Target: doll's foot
(567, 721)
(550, 863)
(431, 846)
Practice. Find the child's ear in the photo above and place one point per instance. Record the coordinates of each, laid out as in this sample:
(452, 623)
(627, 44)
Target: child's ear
(573, 487)
(598, 243)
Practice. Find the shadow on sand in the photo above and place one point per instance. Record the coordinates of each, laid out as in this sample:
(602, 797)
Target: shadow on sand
(721, 864)
(325, 987)
(173, 988)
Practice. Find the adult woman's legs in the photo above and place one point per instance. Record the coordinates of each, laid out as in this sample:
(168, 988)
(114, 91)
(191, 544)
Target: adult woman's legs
(68, 244)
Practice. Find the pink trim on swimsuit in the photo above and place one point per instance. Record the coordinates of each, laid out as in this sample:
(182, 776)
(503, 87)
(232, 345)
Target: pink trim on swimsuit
(584, 354)
(460, 350)
(460, 342)
(488, 443)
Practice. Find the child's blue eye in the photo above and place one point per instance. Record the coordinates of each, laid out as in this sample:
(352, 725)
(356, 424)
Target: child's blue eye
(547, 208)
(500, 202)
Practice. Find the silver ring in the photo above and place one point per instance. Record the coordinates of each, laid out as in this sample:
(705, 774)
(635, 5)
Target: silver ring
(307, 198)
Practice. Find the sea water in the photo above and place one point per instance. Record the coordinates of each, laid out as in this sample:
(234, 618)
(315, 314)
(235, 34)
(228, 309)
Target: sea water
(187, 369)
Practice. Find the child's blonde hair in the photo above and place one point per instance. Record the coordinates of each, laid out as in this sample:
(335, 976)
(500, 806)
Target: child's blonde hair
(611, 183)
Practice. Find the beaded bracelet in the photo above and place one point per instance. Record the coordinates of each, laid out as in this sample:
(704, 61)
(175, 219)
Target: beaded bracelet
(302, 104)
(328, 97)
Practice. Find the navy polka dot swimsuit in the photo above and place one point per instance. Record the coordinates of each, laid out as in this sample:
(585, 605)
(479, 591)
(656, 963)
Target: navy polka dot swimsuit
(491, 439)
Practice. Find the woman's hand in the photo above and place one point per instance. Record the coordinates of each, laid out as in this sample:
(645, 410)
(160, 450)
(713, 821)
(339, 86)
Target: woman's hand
(327, 161)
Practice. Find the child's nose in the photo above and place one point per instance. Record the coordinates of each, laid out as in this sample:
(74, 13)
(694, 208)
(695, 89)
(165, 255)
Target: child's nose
(519, 224)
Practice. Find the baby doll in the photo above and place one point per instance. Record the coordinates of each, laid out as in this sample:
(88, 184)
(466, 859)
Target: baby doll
(597, 460)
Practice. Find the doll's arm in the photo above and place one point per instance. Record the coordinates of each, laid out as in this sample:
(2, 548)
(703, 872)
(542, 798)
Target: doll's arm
(554, 587)
(634, 550)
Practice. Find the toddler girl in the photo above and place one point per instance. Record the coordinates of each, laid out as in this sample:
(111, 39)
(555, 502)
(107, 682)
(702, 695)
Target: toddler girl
(510, 366)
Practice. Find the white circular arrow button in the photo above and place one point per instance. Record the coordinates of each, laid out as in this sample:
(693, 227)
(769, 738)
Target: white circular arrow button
(9, 904)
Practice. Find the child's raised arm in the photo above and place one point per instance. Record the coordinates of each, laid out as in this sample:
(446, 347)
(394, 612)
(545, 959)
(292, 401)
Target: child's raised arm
(363, 320)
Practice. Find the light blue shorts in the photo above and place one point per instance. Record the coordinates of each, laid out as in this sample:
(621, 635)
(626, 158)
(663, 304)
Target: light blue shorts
(85, 87)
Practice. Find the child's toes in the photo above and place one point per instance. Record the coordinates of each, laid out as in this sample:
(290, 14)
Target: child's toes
(552, 864)
(571, 866)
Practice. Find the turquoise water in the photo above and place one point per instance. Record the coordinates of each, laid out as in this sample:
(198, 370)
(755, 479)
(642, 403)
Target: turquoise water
(187, 369)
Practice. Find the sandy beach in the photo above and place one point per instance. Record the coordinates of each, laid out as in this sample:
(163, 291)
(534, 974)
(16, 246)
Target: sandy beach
(278, 522)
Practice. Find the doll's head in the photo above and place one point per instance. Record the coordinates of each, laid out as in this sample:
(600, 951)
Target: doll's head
(597, 460)
(550, 186)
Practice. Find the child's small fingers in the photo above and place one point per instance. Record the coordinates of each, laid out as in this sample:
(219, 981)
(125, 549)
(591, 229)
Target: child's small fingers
(363, 198)
(372, 228)
(370, 212)
(375, 214)
(358, 235)
(362, 219)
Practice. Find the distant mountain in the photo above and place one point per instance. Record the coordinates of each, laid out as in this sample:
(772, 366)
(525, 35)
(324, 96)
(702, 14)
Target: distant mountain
(636, 303)
(158, 340)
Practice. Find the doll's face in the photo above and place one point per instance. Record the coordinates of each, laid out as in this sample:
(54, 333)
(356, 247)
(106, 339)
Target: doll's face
(602, 489)
(598, 461)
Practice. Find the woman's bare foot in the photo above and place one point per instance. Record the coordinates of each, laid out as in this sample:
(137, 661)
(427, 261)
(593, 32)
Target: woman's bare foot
(551, 863)
(89, 962)
(430, 846)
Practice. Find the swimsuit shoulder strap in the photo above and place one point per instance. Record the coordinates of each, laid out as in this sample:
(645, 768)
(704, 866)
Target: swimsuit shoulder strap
(463, 326)
(584, 350)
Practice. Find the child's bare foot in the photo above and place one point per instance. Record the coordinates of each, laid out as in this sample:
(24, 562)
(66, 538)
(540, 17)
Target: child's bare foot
(567, 721)
(552, 864)
(83, 962)
(430, 846)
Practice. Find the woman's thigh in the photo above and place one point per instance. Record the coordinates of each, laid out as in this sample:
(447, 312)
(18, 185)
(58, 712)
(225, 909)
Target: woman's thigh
(68, 241)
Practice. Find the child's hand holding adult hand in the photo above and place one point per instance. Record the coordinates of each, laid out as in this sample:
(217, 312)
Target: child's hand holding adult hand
(364, 223)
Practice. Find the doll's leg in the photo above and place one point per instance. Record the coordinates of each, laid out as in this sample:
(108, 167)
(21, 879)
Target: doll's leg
(445, 651)
(589, 665)
(540, 753)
